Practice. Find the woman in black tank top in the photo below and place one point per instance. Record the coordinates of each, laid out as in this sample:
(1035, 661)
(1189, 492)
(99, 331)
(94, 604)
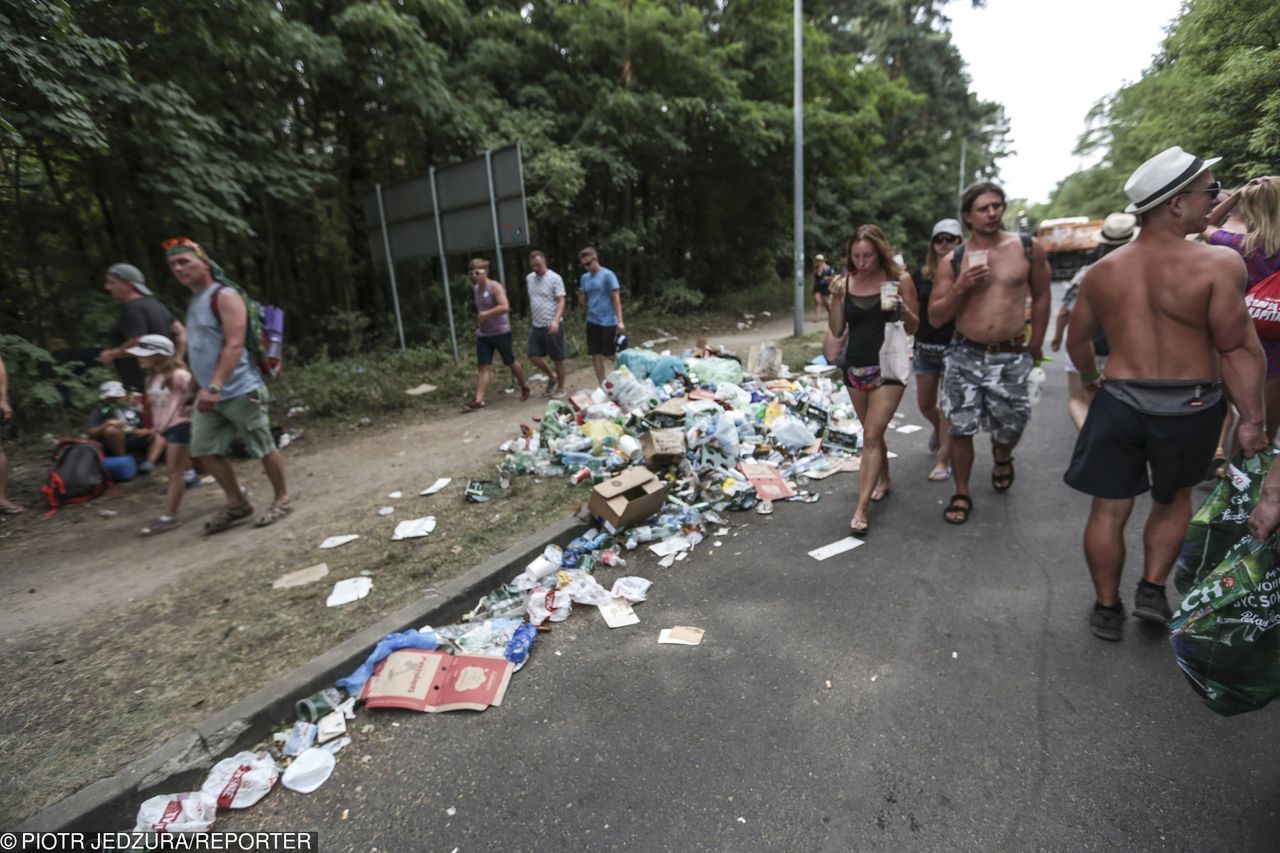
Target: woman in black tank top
(855, 310)
(931, 347)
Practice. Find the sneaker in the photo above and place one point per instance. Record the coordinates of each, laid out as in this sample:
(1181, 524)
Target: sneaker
(1107, 624)
(160, 525)
(1151, 604)
(146, 467)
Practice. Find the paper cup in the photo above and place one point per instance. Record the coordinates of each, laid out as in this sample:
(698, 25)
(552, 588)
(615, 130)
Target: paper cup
(888, 295)
(978, 257)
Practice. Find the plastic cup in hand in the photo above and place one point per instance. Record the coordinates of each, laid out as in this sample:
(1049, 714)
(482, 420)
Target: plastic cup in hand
(888, 295)
(978, 258)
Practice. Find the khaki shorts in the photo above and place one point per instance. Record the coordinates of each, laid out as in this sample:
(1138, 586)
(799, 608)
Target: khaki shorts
(212, 432)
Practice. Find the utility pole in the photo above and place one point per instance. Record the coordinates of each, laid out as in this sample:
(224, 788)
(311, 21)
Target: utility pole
(798, 194)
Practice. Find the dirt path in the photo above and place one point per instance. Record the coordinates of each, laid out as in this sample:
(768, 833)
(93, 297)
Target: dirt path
(60, 571)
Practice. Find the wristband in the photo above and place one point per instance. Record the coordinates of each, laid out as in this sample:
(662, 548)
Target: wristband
(1090, 378)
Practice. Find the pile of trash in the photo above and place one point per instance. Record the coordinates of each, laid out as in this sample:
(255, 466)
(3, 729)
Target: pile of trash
(669, 446)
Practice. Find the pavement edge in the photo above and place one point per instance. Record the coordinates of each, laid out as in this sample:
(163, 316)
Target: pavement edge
(181, 763)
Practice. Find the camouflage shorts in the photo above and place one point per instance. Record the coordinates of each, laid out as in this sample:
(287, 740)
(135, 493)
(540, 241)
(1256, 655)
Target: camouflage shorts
(988, 391)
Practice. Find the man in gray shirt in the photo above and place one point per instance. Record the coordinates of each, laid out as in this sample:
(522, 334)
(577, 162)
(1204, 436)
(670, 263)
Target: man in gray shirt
(546, 328)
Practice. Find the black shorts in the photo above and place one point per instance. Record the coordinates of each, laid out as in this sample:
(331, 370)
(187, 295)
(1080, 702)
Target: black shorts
(602, 340)
(180, 434)
(1118, 443)
(542, 343)
(485, 346)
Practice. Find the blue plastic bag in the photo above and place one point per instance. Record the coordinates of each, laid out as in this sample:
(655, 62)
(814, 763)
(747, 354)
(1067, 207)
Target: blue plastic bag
(411, 639)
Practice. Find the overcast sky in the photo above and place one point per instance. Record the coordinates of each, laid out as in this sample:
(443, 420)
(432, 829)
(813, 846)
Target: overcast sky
(1048, 61)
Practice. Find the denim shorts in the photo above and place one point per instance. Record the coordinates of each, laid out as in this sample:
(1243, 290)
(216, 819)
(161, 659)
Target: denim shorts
(930, 359)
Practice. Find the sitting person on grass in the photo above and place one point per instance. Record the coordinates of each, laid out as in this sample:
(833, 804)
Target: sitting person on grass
(118, 427)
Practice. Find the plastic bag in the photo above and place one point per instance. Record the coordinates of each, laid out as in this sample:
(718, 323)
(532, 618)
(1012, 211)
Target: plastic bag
(410, 639)
(639, 361)
(791, 432)
(584, 589)
(726, 436)
(547, 604)
(765, 360)
(1222, 520)
(628, 392)
(600, 433)
(241, 780)
(517, 650)
(708, 371)
(734, 394)
(633, 589)
(193, 812)
(1226, 632)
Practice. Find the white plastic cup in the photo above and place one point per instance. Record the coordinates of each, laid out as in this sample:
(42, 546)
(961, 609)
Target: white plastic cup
(888, 295)
(977, 257)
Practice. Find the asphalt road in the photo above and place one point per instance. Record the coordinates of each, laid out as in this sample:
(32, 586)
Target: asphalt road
(969, 707)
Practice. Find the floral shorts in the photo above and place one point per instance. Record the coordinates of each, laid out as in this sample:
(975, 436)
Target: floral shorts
(866, 379)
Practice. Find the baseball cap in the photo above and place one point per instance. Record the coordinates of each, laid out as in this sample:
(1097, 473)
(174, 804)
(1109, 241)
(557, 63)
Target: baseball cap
(151, 345)
(110, 390)
(131, 274)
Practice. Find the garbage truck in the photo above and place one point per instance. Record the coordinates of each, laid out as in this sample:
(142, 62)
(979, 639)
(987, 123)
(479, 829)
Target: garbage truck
(1069, 243)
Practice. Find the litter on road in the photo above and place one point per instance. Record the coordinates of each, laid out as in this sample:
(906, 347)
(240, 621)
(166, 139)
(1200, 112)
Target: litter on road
(301, 577)
(436, 486)
(681, 635)
(349, 590)
(337, 541)
(414, 528)
(848, 543)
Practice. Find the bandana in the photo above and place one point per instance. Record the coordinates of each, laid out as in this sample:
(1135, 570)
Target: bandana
(185, 245)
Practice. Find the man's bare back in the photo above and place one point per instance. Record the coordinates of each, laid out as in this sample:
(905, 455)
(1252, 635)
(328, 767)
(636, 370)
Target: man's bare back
(1168, 307)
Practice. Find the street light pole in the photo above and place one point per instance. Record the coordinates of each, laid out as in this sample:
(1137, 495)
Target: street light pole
(960, 191)
(798, 192)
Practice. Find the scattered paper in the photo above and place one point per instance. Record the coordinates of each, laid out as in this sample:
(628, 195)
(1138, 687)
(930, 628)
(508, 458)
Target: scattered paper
(418, 391)
(681, 635)
(335, 541)
(349, 590)
(671, 546)
(618, 613)
(396, 495)
(436, 486)
(667, 561)
(839, 466)
(848, 543)
(301, 577)
(909, 428)
(330, 726)
(414, 528)
(386, 510)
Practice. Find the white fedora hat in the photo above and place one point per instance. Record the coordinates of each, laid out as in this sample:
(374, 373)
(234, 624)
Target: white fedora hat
(1160, 178)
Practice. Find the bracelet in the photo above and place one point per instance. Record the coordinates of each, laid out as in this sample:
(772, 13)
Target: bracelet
(1090, 378)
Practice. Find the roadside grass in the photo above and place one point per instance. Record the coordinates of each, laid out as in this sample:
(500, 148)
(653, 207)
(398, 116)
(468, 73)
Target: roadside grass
(80, 703)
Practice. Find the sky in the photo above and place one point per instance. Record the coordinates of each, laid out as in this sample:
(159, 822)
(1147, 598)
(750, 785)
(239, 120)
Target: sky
(1048, 62)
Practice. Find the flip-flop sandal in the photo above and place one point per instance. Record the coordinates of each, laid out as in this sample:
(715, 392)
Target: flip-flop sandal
(878, 494)
(940, 475)
(227, 516)
(860, 531)
(962, 504)
(1002, 482)
(472, 405)
(11, 509)
(272, 515)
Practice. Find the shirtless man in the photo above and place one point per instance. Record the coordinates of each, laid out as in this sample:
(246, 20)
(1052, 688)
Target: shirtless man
(1174, 314)
(985, 382)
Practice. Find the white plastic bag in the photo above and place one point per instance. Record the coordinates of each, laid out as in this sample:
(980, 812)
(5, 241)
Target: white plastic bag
(193, 812)
(791, 432)
(550, 604)
(241, 780)
(633, 589)
(584, 589)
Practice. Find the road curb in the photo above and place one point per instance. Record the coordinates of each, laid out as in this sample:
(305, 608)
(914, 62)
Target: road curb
(180, 764)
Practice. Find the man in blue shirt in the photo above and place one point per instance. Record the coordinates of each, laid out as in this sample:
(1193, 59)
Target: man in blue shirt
(598, 290)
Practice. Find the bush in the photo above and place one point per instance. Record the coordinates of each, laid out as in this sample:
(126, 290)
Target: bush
(45, 394)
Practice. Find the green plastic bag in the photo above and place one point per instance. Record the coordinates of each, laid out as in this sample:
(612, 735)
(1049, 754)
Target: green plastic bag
(1224, 634)
(709, 371)
(1222, 520)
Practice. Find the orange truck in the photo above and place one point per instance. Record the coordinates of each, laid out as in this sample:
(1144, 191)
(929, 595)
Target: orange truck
(1069, 243)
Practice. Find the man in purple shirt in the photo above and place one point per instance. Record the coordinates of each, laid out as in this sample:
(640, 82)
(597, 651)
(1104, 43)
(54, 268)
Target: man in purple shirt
(493, 333)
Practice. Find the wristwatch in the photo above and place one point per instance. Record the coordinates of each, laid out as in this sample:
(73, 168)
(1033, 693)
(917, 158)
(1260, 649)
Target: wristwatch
(214, 389)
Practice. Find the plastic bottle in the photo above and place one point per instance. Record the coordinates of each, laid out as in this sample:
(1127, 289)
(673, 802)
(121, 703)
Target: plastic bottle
(1034, 380)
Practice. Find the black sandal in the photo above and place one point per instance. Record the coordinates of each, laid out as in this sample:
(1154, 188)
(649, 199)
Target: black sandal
(962, 504)
(1002, 482)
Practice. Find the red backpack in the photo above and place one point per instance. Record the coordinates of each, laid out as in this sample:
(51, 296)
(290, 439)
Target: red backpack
(77, 473)
(1263, 302)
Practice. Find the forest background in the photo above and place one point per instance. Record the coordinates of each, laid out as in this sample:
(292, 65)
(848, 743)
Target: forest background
(658, 131)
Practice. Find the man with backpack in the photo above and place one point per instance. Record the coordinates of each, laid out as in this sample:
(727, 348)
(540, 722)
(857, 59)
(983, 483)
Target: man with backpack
(988, 365)
(233, 396)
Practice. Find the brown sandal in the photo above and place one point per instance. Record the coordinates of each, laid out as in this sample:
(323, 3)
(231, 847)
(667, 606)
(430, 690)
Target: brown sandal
(227, 516)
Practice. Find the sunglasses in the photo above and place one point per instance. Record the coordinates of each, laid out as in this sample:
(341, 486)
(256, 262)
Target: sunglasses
(1213, 189)
(946, 238)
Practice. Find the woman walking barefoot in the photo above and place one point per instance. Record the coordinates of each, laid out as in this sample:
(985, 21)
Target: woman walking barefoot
(931, 347)
(856, 310)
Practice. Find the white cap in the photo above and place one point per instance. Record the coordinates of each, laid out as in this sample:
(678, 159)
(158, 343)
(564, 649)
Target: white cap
(111, 390)
(151, 345)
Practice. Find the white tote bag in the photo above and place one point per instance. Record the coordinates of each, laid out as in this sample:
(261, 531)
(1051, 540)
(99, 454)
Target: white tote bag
(896, 352)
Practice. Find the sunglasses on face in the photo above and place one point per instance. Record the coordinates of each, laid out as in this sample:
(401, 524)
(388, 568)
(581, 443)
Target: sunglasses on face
(1212, 190)
(945, 238)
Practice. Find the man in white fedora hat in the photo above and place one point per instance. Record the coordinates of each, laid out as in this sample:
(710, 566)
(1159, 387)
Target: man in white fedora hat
(1174, 315)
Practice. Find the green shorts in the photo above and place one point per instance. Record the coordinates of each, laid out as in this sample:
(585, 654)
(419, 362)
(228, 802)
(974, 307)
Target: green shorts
(213, 432)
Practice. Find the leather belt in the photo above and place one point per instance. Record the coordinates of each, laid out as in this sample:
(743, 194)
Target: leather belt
(1016, 344)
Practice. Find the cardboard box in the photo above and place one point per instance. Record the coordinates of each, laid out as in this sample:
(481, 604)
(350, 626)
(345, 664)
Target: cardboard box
(662, 447)
(770, 486)
(431, 681)
(628, 498)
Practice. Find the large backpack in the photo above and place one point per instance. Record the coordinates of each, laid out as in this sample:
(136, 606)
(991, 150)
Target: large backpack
(957, 256)
(263, 331)
(77, 473)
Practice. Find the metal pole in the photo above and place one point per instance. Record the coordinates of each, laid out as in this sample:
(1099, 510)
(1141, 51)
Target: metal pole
(493, 215)
(444, 264)
(797, 109)
(960, 192)
(391, 267)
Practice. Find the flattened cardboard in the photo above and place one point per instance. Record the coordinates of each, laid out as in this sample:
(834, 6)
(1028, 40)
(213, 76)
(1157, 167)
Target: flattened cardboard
(628, 498)
(433, 681)
(662, 448)
(579, 400)
(673, 408)
(770, 486)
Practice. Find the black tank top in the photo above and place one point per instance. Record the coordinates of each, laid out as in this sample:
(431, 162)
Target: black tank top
(927, 333)
(865, 320)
